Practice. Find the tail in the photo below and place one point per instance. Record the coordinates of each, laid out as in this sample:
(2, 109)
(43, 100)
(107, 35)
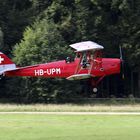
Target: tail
(6, 64)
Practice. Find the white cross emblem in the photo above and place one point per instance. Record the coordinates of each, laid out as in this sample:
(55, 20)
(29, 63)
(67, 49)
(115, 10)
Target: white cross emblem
(1, 59)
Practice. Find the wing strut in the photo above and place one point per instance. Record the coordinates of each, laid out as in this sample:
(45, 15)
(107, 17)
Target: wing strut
(79, 64)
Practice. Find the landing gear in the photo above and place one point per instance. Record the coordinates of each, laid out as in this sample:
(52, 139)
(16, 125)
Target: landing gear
(95, 90)
(94, 82)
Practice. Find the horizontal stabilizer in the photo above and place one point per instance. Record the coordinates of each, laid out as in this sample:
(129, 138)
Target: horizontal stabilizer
(7, 70)
(79, 77)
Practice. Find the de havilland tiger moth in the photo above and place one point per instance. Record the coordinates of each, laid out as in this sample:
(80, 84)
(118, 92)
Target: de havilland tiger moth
(88, 64)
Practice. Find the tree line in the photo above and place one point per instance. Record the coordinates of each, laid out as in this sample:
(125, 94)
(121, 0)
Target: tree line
(38, 31)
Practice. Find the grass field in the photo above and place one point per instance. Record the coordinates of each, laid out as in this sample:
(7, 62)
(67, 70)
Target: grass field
(70, 108)
(69, 127)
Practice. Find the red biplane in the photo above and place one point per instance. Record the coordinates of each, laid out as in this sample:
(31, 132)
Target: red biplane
(88, 64)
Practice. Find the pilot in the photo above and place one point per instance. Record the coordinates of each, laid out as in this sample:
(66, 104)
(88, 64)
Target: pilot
(84, 61)
(68, 60)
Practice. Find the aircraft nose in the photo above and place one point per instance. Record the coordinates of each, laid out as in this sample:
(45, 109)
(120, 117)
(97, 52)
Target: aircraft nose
(116, 65)
(116, 62)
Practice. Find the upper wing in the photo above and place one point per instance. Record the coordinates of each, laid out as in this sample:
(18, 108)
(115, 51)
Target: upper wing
(86, 46)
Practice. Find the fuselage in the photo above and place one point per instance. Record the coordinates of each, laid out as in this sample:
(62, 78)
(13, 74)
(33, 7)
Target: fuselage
(61, 69)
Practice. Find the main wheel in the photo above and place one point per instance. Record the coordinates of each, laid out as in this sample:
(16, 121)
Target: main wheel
(95, 90)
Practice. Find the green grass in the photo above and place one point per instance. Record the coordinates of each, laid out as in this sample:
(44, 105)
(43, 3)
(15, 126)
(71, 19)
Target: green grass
(69, 108)
(69, 127)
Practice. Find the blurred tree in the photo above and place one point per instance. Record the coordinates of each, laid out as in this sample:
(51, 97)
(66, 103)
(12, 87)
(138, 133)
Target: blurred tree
(63, 22)
(1, 39)
(42, 43)
(14, 17)
(111, 23)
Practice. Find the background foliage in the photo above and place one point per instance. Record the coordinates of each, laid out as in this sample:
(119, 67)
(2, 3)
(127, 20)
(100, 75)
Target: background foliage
(38, 31)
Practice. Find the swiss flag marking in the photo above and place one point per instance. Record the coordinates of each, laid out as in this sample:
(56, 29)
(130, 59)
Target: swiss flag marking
(1, 59)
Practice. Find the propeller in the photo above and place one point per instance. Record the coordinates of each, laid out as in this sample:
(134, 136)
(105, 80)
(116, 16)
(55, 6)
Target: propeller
(122, 63)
